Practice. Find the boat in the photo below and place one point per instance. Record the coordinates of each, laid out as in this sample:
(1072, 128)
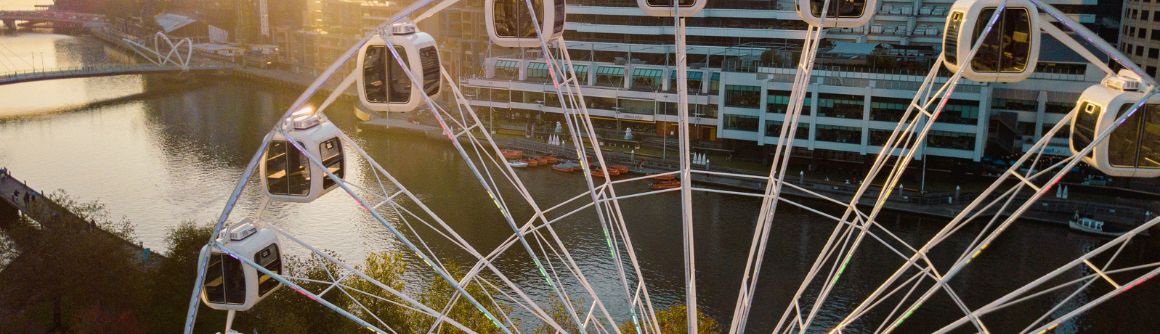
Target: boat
(512, 154)
(531, 162)
(665, 177)
(598, 172)
(543, 160)
(552, 160)
(1094, 226)
(667, 184)
(566, 167)
(620, 169)
(517, 164)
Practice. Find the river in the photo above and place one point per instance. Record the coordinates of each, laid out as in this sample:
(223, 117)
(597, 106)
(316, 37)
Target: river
(168, 155)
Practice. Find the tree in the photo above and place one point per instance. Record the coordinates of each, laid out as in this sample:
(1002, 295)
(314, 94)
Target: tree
(438, 294)
(674, 320)
(76, 274)
(172, 281)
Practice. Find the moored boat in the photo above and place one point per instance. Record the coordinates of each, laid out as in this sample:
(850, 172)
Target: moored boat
(1094, 226)
(512, 154)
(517, 164)
(566, 167)
(667, 184)
(665, 177)
(531, 162)
(620, 169)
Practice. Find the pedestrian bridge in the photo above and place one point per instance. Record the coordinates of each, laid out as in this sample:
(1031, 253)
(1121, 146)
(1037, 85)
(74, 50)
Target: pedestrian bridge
(10, 17)
(98, 71)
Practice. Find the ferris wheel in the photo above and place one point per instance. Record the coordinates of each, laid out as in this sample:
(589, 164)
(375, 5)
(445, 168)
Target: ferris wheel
(305, 157)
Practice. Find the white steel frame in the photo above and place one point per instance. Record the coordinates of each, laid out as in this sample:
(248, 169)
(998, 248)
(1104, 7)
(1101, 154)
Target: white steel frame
(585, 309)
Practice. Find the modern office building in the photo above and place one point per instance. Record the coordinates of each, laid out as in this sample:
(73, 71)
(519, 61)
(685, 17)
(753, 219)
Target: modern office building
(1140, 34)
(742, 56)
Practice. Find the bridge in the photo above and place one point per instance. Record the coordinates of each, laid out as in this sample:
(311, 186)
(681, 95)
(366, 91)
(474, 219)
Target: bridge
(99, 71)
(10, 18)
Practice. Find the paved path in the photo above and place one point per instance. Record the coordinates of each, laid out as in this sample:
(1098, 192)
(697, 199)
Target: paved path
(51, 215)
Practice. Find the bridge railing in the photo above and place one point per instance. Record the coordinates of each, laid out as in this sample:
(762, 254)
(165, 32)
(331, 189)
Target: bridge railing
(96, 69)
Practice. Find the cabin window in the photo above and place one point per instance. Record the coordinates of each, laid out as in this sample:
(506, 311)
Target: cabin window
(225, 283)
(331, 158)
(951, 38)
(374, 74)
(669, 3)
(400, 89)
(512, 19)
(271, 259)
(558, 26)
(838, 8)
(1007, 47)
(429, 56)
(1085, 125)
(1135, 144)
(287, 170)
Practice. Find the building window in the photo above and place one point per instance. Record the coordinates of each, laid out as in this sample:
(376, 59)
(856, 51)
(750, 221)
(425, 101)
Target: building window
(1131, 31)
(694, 80)
(714, 83)
(742, 96)
(888, 109)
(507, 70)
(777, 102)
(538, 72)
(1058, 107)
(1144, 15)
(608, 76)
(581, 73)
(1142, 33)
(1151, 70)
(1015, 104)
(839, 134)
(1139, 50)
(1155, 34)
(951, 140)
(646, 79)
(741, 122)
(639, 107)
(879, 137)
(773, 129)
(1154, 53)
(960, 112)
(840, 106)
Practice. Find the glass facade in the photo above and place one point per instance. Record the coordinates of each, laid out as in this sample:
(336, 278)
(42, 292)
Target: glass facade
(610, 76)
(741, 122)
(840, 106)
(839, 134)
(888, 109)
(742, 96)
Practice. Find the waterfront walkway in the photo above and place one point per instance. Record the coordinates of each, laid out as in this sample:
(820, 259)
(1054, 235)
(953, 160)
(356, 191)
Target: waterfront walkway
(50, 215)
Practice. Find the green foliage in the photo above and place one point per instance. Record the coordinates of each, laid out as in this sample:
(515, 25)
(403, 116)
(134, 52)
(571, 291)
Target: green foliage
(674, 320)
(80, 274)
(172, 281)
(439, 292)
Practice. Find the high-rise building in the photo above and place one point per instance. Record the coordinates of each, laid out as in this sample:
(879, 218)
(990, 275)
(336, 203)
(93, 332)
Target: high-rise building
(742, 56)
(1140, 34)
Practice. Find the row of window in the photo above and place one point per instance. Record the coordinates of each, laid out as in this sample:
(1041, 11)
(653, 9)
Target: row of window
(732, 4)
(1141, 33)
(642, 79)
(692, 22)
(1143, 15)
(847, 134)
(630, 106)
(850, 106)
